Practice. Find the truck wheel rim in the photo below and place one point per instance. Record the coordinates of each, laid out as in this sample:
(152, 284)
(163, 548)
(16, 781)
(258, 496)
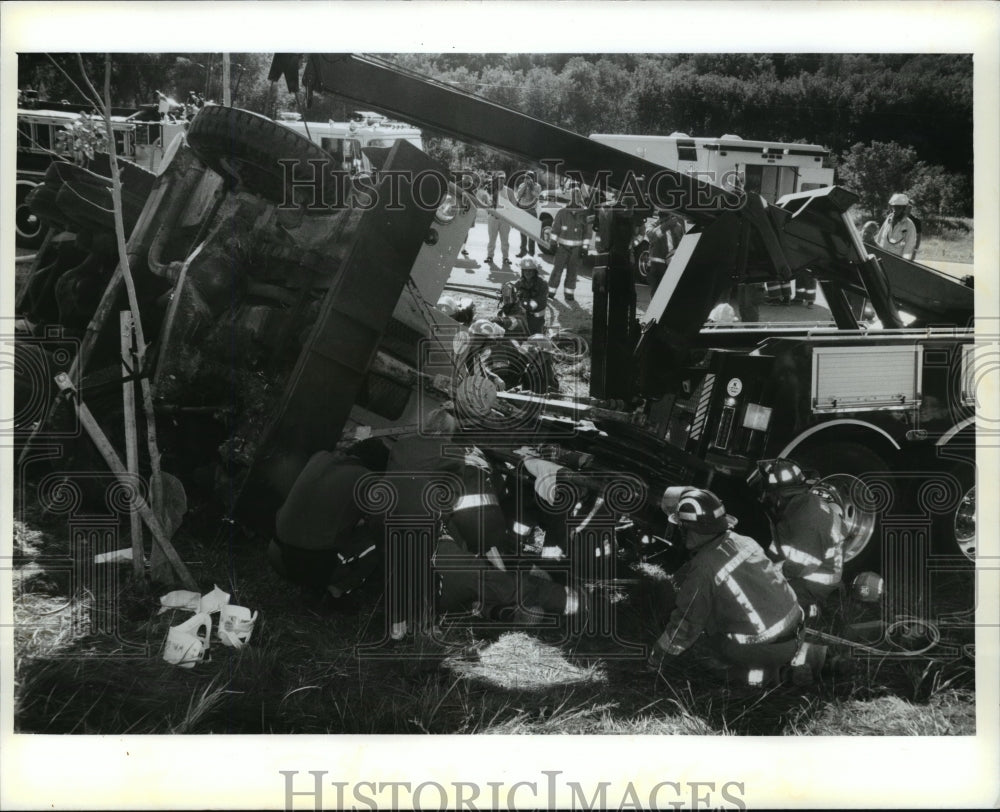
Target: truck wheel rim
(644, 264)
(965, 524)
(857, 506)
(27, 223)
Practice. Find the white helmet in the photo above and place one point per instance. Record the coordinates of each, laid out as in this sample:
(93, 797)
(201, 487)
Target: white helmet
(899, 199)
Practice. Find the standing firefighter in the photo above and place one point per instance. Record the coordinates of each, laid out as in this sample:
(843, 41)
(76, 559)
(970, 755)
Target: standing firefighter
(661, 248)
(569, 229)
(733, 610)
(808, 537)
(898, 234)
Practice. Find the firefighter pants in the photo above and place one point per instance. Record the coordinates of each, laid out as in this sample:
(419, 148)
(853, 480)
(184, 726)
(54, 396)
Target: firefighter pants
(568, 258)
(657, 267)
(345, 566)
(779, 291)
(805, 288)
(465, 580)
(493, 228)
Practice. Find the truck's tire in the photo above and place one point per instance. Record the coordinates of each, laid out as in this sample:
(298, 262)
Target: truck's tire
(30, 230)
(954, 523)
(245, 147)
(853, 475)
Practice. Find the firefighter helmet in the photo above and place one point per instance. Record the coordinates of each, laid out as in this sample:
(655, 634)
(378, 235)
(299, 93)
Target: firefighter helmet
(867, 587)
(701, 511)
(899, 199)
(508, 294)
(779, 474)
(529, 263)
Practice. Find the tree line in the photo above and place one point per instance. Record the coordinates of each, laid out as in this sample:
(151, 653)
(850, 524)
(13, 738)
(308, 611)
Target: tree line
(913, 108)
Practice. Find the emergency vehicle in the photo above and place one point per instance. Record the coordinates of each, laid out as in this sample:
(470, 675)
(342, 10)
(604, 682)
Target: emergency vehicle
(768, 168)
(347, 140)
(140, 137)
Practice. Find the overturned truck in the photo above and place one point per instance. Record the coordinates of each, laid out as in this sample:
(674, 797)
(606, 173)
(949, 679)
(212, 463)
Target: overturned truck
(290, 306)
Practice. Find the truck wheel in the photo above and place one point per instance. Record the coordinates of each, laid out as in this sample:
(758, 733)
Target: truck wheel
(844, 468)
(640, 260)
(246, 148)
(955, 524)
(30, 229)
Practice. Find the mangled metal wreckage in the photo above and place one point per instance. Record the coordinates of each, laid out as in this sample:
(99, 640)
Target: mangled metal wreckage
(290, 306)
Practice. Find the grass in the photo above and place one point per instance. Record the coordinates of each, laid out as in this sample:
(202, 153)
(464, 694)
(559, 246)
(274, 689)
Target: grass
(301, 672)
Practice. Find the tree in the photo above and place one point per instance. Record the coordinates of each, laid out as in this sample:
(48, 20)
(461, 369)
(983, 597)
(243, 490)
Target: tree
(875, 171)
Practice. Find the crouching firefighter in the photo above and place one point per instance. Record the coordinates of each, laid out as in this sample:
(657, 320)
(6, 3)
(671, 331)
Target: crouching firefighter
(324, 538)
(807, 532)
(734, 612)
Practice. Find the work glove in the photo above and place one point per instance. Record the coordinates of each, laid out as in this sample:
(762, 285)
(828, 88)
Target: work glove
(655, 659)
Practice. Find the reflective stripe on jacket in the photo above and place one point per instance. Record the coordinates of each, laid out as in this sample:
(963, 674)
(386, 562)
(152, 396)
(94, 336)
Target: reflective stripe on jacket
(731, 588)
(569, 227)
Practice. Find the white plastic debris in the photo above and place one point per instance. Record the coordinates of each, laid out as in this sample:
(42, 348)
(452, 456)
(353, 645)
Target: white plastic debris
(114, 556)
(180, 599)
(184, 646)
(236, 626)
(213, 601)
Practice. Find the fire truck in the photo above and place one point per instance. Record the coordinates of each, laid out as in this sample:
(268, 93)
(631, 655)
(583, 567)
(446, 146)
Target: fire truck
(347, 141)
(331, 312)
(140, 137)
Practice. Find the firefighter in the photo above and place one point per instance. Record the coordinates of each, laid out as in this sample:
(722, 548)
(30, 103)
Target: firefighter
(734, 610)
(477, 520)
(416, 465)
(807, 532)
(805, 288)
(898, 234)
(532, 293)
(468, 583)
(569, 230)
(661, 248)
(324, 539)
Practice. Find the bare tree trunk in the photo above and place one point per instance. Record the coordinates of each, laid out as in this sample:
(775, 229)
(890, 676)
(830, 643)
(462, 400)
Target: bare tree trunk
(155, 482)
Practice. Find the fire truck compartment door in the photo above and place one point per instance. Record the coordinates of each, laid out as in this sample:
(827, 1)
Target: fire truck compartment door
(851, 379)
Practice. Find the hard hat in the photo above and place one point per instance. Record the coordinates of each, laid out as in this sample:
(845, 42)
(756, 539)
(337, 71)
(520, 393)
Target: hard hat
(701, 511)
(779, 474)
(529, 263)
(447, 305)
(868, 587)
(485, 327)
(899, 199)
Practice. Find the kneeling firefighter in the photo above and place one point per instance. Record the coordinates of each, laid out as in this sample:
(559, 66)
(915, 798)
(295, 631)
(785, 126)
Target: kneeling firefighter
(324, 538)
(733, 612)
(808, 540)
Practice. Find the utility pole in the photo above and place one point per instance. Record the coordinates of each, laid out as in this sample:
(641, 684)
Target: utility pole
(227, 99)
